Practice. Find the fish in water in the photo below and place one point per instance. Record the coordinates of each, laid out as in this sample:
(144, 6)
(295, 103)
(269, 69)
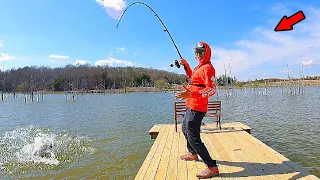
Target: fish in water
(44, 151)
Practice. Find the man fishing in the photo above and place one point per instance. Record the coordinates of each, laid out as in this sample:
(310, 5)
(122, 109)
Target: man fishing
(197, 95)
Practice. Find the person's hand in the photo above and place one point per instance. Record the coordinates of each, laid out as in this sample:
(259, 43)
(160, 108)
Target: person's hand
(184, 94)
(183, 61)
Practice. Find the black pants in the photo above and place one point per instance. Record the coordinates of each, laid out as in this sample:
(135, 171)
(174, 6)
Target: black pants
(191, 130)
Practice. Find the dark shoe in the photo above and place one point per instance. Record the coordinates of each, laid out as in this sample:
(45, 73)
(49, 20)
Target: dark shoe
(208, 173)
(189, 157)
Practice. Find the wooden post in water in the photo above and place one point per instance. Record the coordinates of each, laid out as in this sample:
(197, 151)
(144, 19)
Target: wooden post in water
(2, 86)
(265, 86)
(224, 80)
(302, 84)
(231, 79)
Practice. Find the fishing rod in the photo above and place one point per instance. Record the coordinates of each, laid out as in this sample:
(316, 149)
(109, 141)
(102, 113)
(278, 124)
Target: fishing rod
(176, 63)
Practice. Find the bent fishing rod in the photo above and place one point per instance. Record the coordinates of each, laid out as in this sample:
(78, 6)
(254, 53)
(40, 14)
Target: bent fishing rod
(176, 63)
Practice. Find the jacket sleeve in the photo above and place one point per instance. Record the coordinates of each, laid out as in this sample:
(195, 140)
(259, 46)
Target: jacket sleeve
(188, 70)
(210, 85)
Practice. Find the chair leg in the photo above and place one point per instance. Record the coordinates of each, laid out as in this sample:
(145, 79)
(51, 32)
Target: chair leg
(219, 123)
(176, 125)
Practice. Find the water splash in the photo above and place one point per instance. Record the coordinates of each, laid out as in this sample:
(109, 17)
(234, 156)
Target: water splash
(40, 146)
(40, 150)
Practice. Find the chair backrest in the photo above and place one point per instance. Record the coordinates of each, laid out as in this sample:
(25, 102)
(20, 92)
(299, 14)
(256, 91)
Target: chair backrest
(214, 109)
(179, 109)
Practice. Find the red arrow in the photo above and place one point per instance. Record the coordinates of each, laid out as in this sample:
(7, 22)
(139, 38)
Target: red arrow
(286, 23)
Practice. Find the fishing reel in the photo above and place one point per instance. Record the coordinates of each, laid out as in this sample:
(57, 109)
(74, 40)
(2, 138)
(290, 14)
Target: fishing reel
(175, 63)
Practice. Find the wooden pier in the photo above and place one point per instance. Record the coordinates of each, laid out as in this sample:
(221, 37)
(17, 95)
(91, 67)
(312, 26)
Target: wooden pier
(239, 155)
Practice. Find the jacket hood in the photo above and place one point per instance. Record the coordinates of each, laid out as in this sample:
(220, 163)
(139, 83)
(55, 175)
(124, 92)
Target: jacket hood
(207, 55)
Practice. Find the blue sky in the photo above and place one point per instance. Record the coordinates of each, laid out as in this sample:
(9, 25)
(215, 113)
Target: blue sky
(240, 32)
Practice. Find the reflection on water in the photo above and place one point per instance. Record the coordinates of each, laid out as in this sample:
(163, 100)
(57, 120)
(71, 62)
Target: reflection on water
(106, 135)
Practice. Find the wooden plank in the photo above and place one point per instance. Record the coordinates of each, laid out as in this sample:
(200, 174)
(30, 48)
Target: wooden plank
(180, 110)
(182, 165)
(192, 169)
(143, 169)
(155, 128)
(249, 170)
(228, 171)
(255, 163)
(173, 159)
(244, 171)
(191, 166)
(180, 116)
(153, 132)
(242, 155)
(214, 155)
(243, 126)
(244, 158)
(265, 162)
(236, 125)
(164, 162)
(286, 164)
(152, 170)
(212, 128)
(218, 155)
(239, 156)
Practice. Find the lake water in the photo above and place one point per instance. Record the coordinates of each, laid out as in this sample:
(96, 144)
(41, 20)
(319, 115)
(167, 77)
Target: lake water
(105, 136)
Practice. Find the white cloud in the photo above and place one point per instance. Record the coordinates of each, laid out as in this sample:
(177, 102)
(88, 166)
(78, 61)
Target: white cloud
(81, 62)
(310, 63)
(114, 4)
(1, 43)
(120, 49)
(114, 62)
(114, 8)
(135, 54)
(6, 57)
(54, 56)
(264, 47)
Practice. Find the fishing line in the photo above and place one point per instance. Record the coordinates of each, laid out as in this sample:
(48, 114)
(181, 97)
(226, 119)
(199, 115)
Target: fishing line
(165, 28)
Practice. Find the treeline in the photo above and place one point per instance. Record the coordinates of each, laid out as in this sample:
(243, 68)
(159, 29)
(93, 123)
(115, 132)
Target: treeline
(312, 78)
(87, 77)
(278, 80)
(226, 81)
(84, 77)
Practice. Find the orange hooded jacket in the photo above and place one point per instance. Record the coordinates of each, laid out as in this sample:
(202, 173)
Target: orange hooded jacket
(203, 84)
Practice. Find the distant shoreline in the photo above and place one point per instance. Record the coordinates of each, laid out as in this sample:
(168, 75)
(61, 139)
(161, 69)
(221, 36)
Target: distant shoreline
(175, 88)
